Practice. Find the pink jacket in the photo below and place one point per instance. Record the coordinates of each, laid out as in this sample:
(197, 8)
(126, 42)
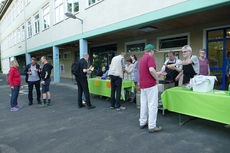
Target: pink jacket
(14, 77)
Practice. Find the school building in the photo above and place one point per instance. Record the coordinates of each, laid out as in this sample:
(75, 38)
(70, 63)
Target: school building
(63, 30)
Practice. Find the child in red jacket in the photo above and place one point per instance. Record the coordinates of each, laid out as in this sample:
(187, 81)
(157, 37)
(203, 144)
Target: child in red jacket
(15, 83)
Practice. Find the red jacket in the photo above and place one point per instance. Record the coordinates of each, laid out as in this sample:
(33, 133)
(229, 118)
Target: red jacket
(14, 77)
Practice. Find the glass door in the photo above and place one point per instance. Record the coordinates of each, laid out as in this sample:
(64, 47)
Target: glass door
(218, 44)
(102, 56)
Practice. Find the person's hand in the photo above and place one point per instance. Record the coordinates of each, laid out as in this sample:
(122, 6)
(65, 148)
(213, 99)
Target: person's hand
(43, 82)
(164, 73)
(157, 81)
(177, 78)
(228, 75)
(12, 87)
(171, 65)
(29, 73)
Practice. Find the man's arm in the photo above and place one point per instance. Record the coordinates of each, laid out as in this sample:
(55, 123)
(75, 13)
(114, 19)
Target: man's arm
(181, 63)
(153, 73)
(178, 76)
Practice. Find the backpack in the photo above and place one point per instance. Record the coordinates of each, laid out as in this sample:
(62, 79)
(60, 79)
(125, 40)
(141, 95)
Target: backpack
(75, 68)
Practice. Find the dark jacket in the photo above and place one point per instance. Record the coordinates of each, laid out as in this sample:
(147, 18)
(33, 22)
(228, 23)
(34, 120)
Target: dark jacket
(46, 71)
(27, 70)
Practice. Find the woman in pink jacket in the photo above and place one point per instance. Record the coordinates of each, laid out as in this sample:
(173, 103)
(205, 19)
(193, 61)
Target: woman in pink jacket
(15, 83)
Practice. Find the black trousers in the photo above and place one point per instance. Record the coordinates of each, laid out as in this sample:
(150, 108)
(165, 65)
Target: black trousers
(116, 83)
(31, 85)
(82, 84)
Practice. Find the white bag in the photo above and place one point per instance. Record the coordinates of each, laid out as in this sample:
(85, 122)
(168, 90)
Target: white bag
(201, 83)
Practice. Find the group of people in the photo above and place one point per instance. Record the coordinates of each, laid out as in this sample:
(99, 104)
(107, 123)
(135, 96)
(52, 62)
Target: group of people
(143, 73)
(34, 77)
(174, 68)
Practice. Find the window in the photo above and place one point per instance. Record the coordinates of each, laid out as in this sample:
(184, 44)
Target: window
(135, 46)
(46, 17)
(93, 1)
(72, 6)
(29, 29)
(173, 42)
(22, 32)
(59, 11)
(36, 24)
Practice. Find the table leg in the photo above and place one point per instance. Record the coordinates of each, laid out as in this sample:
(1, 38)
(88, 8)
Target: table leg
(186, 120)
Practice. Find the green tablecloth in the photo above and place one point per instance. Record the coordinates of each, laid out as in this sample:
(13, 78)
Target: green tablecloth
(103, 87)
(213, 106)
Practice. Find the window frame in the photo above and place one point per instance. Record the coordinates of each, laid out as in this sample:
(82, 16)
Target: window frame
(135, 42)
(58, 6)
(171, 37)
(72, 6)
(29, 29)
(46, 14)
(36, 24)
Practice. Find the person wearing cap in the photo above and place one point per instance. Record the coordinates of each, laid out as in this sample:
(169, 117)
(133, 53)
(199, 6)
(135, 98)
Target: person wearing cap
(116, 74)
(32, 72)
(190, 66)
(149, 91)
(171, 74)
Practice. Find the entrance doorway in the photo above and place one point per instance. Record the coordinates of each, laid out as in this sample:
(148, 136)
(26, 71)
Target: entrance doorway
(218, 46)
(102, 56)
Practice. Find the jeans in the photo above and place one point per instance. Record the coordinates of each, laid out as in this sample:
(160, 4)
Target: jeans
(149, 106)
(116, 83)
(31, 85)
(14, 96)
(82, 84)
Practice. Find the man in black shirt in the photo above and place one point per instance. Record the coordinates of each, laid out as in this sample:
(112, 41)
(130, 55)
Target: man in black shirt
(82, 82)
(45, 77)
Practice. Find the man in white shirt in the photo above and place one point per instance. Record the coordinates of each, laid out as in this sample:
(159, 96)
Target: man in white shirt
(116, 70)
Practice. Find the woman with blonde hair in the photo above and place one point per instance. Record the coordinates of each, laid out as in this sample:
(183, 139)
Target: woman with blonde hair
(15, 83)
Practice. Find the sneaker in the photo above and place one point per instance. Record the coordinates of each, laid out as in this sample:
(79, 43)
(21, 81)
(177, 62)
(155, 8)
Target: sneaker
(111, 107)
(83, 102)
(48, 104)
(91, 107)
(44, 105)
(14, 109)
(81, 106)
(156, 129)
(121, 108)
(143, 126)
(19, 107)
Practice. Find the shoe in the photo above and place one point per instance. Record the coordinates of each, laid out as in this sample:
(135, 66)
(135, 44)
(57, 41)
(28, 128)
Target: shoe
(14, 109)
(143, 126)
(121, 108)
(81, 106)
(30, 103)
(156, 129)
(44, 105)
(19, 107)
(111, 107)
(91, 107)
(83, 102)
(39, 102)
(48, 104)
